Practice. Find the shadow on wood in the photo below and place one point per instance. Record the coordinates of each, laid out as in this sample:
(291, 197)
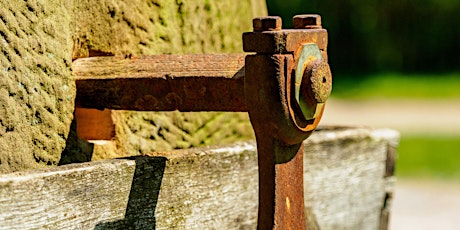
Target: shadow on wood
(143, 196)
(347, 176)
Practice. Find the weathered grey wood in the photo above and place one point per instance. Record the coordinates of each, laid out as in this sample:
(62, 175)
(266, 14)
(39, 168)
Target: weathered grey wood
(67, 197)
(345, 176)
(205, 188)
(201, 188)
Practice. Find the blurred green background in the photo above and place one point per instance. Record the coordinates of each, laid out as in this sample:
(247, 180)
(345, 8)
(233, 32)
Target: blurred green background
(394, 49)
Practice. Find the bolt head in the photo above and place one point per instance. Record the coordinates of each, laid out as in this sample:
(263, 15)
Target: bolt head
(313, 81)
(315, 88)
(307, 21)
(269, 23)
(317, 81)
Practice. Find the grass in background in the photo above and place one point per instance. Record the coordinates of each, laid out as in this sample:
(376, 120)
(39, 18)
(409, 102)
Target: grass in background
(429, 157)
(393, 86)
(420, 156)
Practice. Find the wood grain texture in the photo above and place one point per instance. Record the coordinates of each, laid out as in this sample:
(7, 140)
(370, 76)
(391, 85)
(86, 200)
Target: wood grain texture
(345, 181)
(202, 188)
(67, 197)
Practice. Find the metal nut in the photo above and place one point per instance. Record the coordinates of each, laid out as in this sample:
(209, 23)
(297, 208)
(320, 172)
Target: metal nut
(307, 21)
(313, 82)
(269, 23)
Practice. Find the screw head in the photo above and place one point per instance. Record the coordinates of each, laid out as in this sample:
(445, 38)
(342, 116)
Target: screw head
(269, 23)
(307, 21)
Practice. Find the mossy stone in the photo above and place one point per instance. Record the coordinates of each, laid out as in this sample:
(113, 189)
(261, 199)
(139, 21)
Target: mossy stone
(36, 86)
(140, 27)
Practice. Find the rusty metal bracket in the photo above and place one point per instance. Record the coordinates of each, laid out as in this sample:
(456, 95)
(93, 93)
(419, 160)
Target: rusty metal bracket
(283, 86)
(286, 86)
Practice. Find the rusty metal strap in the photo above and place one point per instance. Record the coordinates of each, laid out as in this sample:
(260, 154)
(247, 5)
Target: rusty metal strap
(206, 82)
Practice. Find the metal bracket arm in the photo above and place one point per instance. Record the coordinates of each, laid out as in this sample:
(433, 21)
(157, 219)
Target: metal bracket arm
(283, 86)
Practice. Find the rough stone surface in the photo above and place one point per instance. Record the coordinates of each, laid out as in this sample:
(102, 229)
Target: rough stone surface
(36, 87)
(38, 39)
(162, 26)
(141, 27)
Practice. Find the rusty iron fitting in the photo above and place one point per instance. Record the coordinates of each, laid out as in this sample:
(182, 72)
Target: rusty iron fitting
(313, 82)
(286, 84)
(269, 23)
(307, 21)
(266, 96)
(294, 111)
(315, 88)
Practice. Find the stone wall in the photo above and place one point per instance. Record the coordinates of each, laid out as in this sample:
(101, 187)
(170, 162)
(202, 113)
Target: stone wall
(39, 39)
(36, 87)
(114, 27)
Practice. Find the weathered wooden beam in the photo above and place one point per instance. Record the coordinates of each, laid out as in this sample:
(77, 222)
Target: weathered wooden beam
(208, 82)
(346, 187)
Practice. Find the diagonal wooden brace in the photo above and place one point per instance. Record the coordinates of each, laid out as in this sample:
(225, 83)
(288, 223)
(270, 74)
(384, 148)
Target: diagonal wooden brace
(263, 84)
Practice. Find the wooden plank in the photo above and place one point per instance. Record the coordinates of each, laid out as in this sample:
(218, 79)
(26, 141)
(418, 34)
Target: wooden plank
(67, 197)
(203, 188)
(345, 176)
(207, 82)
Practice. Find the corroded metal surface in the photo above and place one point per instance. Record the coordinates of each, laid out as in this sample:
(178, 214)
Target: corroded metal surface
(266, 23)
(283, 41)
(278, 117)
(262, 84)
(306, 21)
(313, 81)
(162, 82)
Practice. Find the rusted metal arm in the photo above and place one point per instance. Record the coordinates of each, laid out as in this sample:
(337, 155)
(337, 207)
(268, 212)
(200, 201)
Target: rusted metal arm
(207, 82)
(284, 87)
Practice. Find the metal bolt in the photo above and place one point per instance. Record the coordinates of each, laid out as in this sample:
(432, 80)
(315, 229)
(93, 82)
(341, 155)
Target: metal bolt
(315, 88)
(269, 23)
(307, 21)
(313, 81)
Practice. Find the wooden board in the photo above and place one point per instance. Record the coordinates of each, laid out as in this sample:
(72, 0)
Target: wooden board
(346, 183)
(346, 177)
